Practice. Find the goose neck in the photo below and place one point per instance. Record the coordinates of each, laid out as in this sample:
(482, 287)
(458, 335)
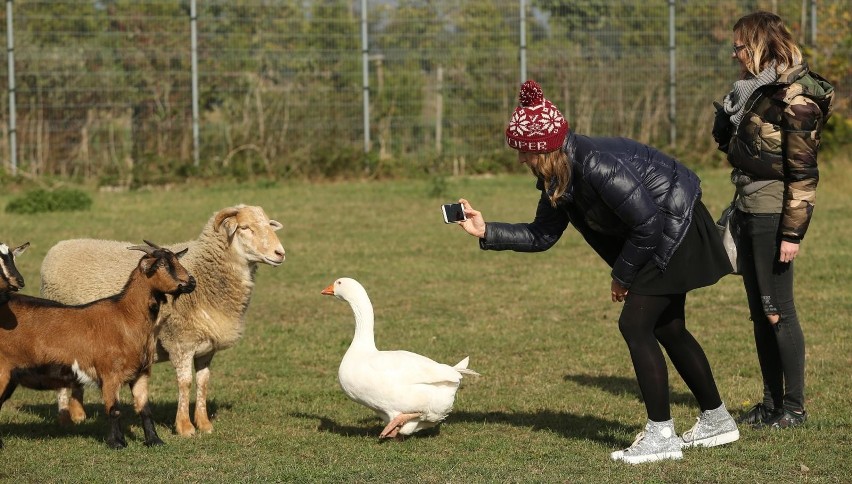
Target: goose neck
(363, 324)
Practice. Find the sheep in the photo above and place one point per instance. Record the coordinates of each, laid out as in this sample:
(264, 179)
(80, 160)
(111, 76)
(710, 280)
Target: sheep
(46, 345)
(223, 259)
(10, 279)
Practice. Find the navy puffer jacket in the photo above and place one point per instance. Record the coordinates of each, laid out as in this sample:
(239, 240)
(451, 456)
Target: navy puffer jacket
(631, 203)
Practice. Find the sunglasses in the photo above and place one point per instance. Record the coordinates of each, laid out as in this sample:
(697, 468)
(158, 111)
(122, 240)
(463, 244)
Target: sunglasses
(738, 48)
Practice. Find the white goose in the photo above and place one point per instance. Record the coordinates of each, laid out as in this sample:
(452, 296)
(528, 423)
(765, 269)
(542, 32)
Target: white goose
(410, 392)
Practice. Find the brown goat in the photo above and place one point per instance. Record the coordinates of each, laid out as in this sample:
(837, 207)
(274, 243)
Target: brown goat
(10, 279)
(193, 329)
(46, 345)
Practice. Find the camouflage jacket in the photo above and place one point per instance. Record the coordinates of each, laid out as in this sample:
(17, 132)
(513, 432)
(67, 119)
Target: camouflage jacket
(778, 139)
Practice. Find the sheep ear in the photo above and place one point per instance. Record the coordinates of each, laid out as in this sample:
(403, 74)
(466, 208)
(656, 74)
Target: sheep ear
(182, 253)
(20, 250)
(226, 217)
(276, 225)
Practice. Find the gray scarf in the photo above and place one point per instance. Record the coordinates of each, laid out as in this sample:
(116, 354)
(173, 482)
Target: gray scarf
(734, 101)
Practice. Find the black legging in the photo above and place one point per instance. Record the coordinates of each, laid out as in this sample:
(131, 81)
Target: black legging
(644, 321)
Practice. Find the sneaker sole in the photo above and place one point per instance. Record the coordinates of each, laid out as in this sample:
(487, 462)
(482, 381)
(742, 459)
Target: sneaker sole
(640, 459)
(721, 439)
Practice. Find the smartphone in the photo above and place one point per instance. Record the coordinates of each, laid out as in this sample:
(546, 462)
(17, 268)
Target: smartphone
(453, 212)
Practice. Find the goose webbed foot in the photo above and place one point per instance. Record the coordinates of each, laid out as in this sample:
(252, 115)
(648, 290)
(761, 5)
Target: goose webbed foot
(391, 430)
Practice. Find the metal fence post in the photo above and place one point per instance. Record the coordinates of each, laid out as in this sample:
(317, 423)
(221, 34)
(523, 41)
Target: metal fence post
(365, 60)
(193, 17)
(672, 83)
(523, 40)
(10, 52)
(439, 110)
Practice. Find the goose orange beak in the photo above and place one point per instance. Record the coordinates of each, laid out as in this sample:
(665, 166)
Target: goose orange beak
(329, 291)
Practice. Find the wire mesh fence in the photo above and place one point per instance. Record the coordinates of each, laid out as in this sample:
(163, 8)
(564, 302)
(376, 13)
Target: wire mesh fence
(103, 89)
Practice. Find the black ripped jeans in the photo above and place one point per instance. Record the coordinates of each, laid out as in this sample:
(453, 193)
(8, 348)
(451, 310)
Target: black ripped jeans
(769, 287)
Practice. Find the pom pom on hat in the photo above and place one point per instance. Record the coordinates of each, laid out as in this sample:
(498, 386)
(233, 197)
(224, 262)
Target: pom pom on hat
(531, 94)
(537, 125)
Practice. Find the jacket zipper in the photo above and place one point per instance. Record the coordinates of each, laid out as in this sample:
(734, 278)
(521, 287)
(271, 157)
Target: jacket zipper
(747, 109)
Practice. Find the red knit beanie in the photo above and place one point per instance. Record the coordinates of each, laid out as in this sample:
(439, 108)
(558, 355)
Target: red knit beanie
(537, 125)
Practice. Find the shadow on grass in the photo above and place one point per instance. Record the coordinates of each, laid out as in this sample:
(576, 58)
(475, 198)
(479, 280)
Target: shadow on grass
(582, 427)
(48, 427)
(96, 424)
(368, 429)
(567, 425)
(619, 385)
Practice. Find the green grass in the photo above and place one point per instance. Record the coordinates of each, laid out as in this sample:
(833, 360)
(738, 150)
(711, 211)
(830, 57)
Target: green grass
(557, 391)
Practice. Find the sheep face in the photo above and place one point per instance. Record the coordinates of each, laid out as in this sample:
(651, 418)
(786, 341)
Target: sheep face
(251, 234)
(163, 270)
(10, 278)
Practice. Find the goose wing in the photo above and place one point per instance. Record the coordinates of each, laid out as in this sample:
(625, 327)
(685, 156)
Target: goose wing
(407, 368)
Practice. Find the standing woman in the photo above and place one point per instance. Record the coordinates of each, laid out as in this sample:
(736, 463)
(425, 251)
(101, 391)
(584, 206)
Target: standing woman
(641, 211)
(769, 125)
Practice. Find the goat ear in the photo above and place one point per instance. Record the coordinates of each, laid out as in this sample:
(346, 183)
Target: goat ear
(182, 253)
(146, 263)
(276, 225)
(226, 217)
(20, 250)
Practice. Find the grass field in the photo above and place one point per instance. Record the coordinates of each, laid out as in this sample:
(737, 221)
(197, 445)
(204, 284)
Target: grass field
(557, 392)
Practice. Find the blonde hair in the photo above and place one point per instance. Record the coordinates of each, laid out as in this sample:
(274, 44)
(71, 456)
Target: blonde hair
(554, 168)
(767, 39)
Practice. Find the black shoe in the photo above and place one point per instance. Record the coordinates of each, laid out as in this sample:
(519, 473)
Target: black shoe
(759, 415)
(788, 419)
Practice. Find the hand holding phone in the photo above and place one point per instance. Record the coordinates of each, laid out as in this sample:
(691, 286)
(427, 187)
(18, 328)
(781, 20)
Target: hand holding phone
(453, 212)
(473, 222)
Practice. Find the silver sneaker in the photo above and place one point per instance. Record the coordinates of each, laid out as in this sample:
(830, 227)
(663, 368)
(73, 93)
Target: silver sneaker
(658, 441)
(714, 427)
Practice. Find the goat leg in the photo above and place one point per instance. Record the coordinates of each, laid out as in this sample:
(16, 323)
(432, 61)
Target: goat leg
(70, 405)
(139, 388)
(115, 438)
(151, 437)
(8, 386)
(75, 405)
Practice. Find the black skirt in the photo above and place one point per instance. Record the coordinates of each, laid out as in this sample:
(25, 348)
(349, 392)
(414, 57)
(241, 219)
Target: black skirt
(700, 261)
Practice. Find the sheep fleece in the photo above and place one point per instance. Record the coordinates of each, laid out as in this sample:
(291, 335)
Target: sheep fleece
(210, 319)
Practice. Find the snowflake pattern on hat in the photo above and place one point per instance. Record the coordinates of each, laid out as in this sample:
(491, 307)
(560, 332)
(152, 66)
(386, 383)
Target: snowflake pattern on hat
(547, 122)
(536, 125)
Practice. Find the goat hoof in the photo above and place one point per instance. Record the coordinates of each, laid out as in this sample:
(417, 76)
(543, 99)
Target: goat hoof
(116, 443)
(154, 443)
(66, 419)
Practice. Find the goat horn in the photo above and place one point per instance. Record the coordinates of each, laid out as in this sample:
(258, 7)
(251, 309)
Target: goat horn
(144, 248)
(152, 244)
